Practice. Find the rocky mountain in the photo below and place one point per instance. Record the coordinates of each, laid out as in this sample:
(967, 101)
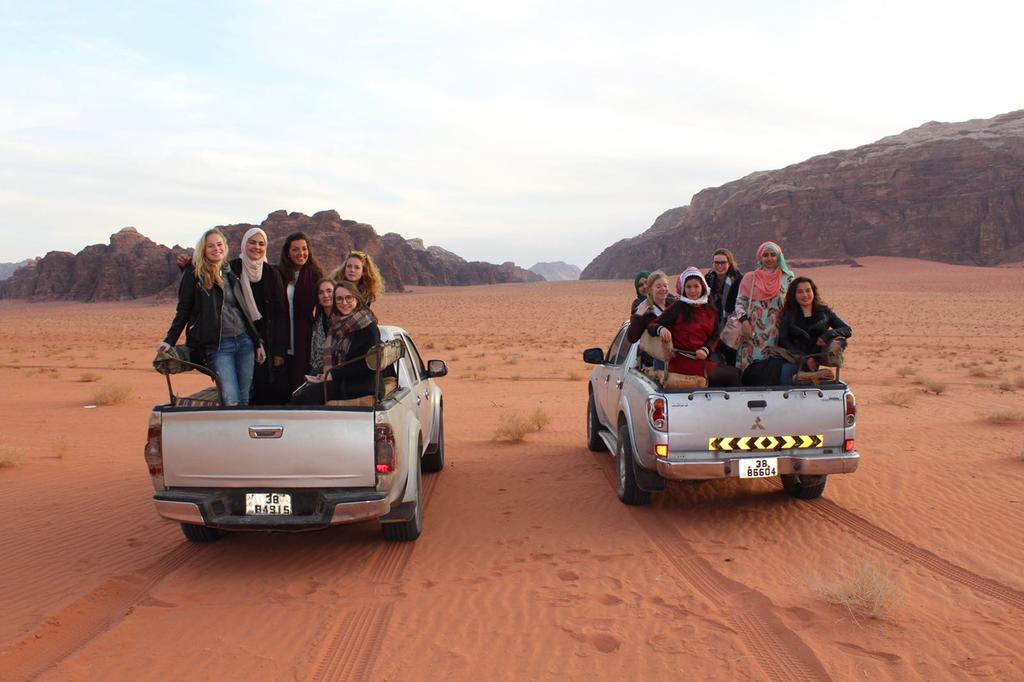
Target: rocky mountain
(133, 266)
(7, 269)
(556, 271)
(950, 192)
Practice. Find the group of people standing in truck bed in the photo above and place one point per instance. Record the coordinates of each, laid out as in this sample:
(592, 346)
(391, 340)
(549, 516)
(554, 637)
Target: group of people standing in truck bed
(274, 333)
(725, 325)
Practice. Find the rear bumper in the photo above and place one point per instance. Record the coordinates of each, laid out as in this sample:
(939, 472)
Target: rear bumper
(812, 465)
(314, 509)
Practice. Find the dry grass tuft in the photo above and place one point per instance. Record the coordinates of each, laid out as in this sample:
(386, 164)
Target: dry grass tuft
(931, 386)
(898, 398)
(1006, 416)
(868, 593)
(512, 427)
(978, 372)
(111, 395)
(539, 418)
(89, 377)
(906, 371)
(572, 375)
(7, 457)
(59, 448)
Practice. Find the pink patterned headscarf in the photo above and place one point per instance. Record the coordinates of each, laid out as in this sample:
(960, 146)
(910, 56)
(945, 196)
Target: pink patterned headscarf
(763, 284)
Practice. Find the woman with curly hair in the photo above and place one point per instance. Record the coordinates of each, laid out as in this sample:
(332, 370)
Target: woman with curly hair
(807, 326)
(300, 272)
(360, 269)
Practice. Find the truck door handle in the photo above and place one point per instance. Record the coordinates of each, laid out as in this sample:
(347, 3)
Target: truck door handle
(418, 401)
(757, 404)
(618, 383)
(263, 432)
(607, 377)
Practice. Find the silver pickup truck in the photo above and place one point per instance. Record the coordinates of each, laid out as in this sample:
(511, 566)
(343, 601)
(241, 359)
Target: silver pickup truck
(284, 468)
(799, 433)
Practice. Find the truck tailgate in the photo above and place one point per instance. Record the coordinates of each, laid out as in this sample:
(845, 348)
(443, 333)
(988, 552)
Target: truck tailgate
(801, 414)
(264, 448)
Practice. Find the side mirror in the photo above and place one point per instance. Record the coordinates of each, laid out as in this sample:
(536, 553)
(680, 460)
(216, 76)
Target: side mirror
(437, 368)
(593, 356)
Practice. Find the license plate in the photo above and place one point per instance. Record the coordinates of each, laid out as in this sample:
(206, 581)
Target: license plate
(268, 504)
(761, 467)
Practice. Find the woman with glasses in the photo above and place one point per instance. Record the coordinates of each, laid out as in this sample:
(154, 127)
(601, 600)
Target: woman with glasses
(360, 269)
(724, 282)
(354, 332)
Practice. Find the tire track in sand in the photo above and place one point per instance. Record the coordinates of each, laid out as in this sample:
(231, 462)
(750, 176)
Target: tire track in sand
(779, 651)
(350, 649)
(1010, 596)
(69, 629)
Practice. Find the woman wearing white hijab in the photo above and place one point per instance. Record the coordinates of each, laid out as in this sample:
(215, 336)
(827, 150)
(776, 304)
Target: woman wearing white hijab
(691, 324)
(264, 298)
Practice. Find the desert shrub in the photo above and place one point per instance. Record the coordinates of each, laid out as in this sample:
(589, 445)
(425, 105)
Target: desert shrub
(932, 386)
(898, 398)
(512, 427)
(539, 418)
(111, 395)
(572, 375)
(429, 345)
(906, 371)
(1006, 416)
(59, 448)
(7, 456)
(89, 377)
(868, 593)
(1005, 386)
(978, 372)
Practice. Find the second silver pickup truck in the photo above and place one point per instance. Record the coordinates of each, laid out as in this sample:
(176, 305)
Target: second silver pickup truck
(800, 434)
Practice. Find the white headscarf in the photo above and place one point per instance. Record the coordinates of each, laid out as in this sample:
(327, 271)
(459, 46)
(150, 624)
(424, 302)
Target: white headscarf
(687, 274)
(252, 271)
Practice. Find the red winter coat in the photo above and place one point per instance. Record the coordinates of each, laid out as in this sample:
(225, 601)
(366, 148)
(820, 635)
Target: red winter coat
(700, 331)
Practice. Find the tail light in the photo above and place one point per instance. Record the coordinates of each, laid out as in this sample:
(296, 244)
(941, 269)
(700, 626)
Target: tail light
(851, 409)
(848, 445)
(154, 452)
(656, 413)
(384, 449)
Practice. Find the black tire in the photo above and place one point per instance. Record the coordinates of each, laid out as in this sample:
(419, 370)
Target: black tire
(625, 474)
(594, 441)
(433, 460)
(804, 487)
(407, 531)
(194, 533)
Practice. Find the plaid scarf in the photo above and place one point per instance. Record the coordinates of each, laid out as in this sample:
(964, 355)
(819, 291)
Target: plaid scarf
(342, 329)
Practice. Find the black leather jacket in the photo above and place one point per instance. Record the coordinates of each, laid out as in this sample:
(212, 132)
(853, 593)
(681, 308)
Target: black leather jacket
(803, 339)
(200, 310)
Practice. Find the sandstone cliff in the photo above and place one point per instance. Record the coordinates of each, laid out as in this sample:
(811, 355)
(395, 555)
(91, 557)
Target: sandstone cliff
(951, 192)
(557, 271)
(133, 266)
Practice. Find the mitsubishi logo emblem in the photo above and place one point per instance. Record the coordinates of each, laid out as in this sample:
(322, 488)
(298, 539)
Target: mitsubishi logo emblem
(757, 425)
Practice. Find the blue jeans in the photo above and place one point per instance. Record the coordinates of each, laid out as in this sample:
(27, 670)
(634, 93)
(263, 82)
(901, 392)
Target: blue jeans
(789, 371)
(233, 363)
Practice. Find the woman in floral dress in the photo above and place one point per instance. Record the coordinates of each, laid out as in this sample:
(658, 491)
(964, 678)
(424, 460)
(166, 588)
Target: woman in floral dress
(761, 298)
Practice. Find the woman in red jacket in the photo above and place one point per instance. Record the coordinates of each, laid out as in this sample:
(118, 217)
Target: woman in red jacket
(691, 324)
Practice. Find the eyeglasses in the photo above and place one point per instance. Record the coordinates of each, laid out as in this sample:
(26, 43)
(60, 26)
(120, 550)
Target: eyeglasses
(345, 299)
(720, 262)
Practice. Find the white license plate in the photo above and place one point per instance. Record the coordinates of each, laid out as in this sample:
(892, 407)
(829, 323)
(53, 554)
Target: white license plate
(268, 504)
(761, 467)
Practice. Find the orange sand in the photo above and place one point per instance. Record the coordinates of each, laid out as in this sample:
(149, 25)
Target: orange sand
(528, 567)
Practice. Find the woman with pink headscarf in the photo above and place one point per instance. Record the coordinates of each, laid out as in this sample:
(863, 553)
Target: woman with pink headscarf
(761, 298)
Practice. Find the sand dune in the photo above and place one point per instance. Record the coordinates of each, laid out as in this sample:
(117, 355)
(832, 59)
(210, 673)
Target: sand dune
(528, 567)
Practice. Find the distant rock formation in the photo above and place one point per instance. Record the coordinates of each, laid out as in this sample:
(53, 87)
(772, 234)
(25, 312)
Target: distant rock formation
(7, 269)
(950, 192)
(133, 266)
(556, 271)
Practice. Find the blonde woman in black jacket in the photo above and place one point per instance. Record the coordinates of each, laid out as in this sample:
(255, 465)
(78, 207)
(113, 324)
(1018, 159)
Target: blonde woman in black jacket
(211, 304)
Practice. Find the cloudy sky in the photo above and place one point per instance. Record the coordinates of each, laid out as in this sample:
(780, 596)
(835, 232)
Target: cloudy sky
(518, 131)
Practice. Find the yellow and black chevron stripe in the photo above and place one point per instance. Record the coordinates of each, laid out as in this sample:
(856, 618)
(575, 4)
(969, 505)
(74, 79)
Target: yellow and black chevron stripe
(748, 443)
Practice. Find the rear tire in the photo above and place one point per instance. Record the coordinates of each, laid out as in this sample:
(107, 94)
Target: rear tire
(407, 531)
(625, 474)
(804, 487)
(194, 533)
(594, 441)
(434, 461)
